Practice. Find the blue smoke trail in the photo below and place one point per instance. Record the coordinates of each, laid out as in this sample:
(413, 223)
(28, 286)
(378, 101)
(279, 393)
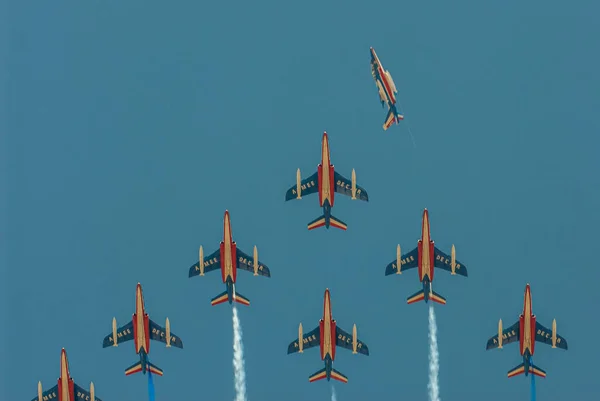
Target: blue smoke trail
(532, 382)
(150, 387)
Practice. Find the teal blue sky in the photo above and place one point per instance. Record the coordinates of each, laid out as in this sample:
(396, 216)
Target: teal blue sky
(132, 125)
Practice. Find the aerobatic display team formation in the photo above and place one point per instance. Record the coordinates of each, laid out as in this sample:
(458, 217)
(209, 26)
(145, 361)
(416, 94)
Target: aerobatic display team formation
(229, 259)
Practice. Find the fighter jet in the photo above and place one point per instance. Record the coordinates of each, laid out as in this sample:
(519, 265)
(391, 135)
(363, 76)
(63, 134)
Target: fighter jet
(141, 329)
(527, 331)
(229, 258)
(328, 335)
(426, 256)
(66, 389)
(326, 181)
(387, 89)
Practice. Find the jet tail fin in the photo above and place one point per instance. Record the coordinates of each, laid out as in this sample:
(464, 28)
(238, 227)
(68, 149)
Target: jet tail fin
(240, 299)
(219, 299)
(520, 369)
(333, 221)
(338, 376)
(137, 367)
(435, 297)
(420, 296)
(224, 297)
(392, 117)
(318, 375)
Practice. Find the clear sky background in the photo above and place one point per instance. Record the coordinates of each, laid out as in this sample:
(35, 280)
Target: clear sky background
(132, 125)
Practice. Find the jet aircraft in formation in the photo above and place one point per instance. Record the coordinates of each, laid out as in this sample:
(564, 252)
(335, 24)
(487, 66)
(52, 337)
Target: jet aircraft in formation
(426, 256)
(527, 331)
(328, 335)
(66, 389)
(387, 90)
(326, 181)
(141, 329)
(229, 258)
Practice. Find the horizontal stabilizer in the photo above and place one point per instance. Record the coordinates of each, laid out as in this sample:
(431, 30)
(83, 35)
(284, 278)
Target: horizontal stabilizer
(338, 376)
(155, 369)
(135, 368)
(416, 297)
(333, 222)
(520, 369)
(240, 299)
(318, 375)
(435, 297)
(219, 299)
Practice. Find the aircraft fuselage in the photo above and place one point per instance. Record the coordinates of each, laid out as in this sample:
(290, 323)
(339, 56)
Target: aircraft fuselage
(426, 250)
(383, 80)
(527, 325)
(228, 252)
(140, 324)
(66, 391)
(326, 173)
(327, 330)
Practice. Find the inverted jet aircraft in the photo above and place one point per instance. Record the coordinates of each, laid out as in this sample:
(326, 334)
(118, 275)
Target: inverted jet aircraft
(387, 90)
(141, 329)
(66, 389)
(229, 258)
(426, 256)
(326, 181)
(328, 335)
(527, 331)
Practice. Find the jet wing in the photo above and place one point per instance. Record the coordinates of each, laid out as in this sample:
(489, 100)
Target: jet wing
(309, 340)
(246, 262)
(344, 186)
(308, 186)
(408, 260)
(49, 394)
(509, 335)
(158, 333)
(211, 262)
(81, 394)
(124, 333)
(544, 335)
(344, 340)
(443, 261)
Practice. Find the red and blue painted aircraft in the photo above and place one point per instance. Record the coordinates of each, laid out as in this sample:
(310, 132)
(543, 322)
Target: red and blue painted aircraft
(326, 181)
(141, 329)
(426, 256)
(387, 90)
(527, 331)
(328, 335)
(66, 389)
(229, 258)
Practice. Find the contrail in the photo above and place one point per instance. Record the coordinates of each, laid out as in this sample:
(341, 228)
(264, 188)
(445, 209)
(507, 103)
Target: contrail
(532, 382)
(333, 395)
(150, 387)
(238, 359)
(434, 361)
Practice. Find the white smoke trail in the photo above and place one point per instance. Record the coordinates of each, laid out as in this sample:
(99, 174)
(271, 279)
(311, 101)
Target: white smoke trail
(333, 395)
(238, 359)
(434, 362)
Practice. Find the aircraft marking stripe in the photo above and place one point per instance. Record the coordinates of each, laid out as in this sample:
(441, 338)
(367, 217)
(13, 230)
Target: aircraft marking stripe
(219, 300)
(317, 376)
(339, 377)
(416, 298)
(317, 224)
